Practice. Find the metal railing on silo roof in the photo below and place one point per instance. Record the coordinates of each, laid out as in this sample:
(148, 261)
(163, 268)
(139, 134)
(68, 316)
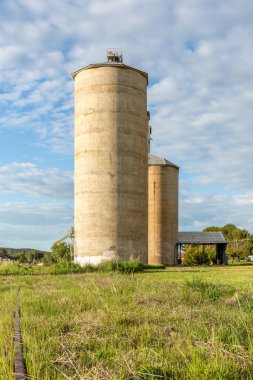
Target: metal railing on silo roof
(114, 55)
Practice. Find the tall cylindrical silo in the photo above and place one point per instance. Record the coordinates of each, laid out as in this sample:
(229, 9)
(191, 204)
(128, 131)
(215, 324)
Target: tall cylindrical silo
(111, 163)
(162, 211)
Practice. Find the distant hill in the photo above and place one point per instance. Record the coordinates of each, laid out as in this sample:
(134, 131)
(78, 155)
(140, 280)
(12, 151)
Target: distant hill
(12, 251)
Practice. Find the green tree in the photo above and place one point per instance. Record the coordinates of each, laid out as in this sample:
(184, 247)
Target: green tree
(34, 255)
(3, 253)
(196, 255)
(21, 257)
(212, 229)
(232, 254)
(230, 231)
(30, 256)
(234, 235)
(61, 251)
(245, 249)
(49, 259)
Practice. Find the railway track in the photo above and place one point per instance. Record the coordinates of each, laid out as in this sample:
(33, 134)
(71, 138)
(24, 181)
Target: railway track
(20, 372)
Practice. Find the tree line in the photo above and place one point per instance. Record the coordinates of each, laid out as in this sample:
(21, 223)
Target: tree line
(59, 252)
(240, 246)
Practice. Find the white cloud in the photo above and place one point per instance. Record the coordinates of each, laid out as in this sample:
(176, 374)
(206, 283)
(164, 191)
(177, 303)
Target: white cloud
(215, 209)
(29, 179)
(38, 226)
(199, 58)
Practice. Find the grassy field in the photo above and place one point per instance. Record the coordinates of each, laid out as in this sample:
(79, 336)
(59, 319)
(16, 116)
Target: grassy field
(173, 324)
(8, 293)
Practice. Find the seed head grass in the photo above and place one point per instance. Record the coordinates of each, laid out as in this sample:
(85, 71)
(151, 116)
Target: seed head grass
(167, 324)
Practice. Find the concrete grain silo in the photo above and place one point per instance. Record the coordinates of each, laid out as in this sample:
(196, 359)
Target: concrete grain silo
(162, 211)
(111, 160)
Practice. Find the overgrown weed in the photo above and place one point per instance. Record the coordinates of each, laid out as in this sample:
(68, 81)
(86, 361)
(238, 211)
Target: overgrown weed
(208, 290)
(102, 325)
(65, 267)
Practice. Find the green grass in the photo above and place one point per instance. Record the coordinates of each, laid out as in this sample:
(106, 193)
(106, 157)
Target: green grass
(187, 323)
(241, 263)
(8, 293)
(64, 267)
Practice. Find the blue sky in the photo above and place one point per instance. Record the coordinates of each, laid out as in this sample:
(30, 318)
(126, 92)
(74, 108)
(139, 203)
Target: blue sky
(199, 57)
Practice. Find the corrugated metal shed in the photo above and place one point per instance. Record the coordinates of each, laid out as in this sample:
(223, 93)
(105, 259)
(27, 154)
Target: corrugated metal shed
(201, 238)
(157, 160)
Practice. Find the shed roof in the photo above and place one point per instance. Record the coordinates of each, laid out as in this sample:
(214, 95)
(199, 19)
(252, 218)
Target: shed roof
(111, 64)
(201, 238)
(160, 161)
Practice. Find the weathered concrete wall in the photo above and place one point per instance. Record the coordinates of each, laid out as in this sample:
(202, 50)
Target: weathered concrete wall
(111, 128)
(162, 214)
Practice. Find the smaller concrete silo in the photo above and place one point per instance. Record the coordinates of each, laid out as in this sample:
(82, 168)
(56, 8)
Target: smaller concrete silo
(162, 211)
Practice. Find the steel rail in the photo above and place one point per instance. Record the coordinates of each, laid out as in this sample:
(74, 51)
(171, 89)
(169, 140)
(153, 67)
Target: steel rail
(20, 372)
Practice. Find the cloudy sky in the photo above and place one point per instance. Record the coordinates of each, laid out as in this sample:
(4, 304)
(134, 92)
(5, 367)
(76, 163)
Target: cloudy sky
(199, 56)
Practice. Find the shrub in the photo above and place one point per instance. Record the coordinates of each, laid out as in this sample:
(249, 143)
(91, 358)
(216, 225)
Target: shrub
(10, 268)
(195, 255)
(66, 267)
(128, 267)
(106, 266)
(61, 251)
(150, 266)
(131, 266)
(49, 259)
